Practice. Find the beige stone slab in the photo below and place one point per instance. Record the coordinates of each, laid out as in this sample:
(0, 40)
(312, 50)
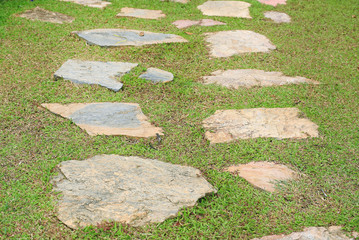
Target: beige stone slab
(226, 9)
(90, 3)
(141, 13)
(46, 16)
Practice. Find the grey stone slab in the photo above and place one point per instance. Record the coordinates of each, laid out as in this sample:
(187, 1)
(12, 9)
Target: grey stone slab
(203, 22)
(157, 75)
(90, 3)
(141, 13)
(90, 72)
(277, 17)
(226, 9)
(46, 16)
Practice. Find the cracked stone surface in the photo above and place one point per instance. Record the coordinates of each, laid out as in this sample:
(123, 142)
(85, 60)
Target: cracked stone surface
(46, 16)
(252, 77)
(203, 22)
(90, 72)
(264, 175)
(129, 190)
(280, 123)
(90, 3)
(277, 17)
(124, 37)
(156, 75)
(140, 13)
(226, 9)
(229, 43)
(107, 118)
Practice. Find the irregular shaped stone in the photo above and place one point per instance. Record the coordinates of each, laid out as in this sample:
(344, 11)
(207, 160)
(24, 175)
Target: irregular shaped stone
(90, 3)
(277, 17)
(140, 13)
(124, 37)
(229, 43)
(130, 190)
(203, 22)
(273, 2)
(107, 118)
(157, 75)
(226, 9)
(229, 125)
(264, 175)
(179, 1)
(252, 77)
(46, 16)
(90, 72)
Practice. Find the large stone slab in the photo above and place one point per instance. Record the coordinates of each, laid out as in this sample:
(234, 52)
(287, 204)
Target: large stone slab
(226, 9)
(90, 72)
(252, 77)
(203, 22)
(156, 75)
(280, 123)
(140, 13)
(229, 43)
(264, 175)
(107, 118)
(273, 2)
(130, 190)
(124, 37)
(46, 16)
(277, 17)
(90, 3)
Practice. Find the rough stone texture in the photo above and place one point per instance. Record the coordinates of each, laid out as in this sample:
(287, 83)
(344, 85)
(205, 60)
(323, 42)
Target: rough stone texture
(90, 3)
(123, 37)
(46, 16)
(229, 43)
(157, 75)
(264, 175)
(129, 190)
(226, 9)
(107, 118)
(277, 17)
(252, 77)
(140, 13)
(90, 72)
(273, 2)
(203, 22)
(228, 125)
(179, 1)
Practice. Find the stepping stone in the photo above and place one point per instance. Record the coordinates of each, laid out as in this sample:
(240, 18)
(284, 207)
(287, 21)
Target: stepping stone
(204, 22)
(124, 37)
(252, 77)
(157, 75)
(277, 17)
(229, 43)
(179, 1)
(107, 118)
(264, 175)
(90, 72)
(226, 9)
(46, 16)
(140, 13)
(129, 190)
(90, 3)
(280, 123)
(273, 2)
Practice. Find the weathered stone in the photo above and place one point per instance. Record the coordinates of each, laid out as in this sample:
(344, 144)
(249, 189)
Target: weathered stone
(228, 125)
(264, 175)
(229, 43)
(90, 72)
(252, 77)
(140, 13)
(273, 2)
(90, 3)
(179, 1)
(277, 17)
(157, 75)
(226, 9)
(203, 22)
(123, 37)
(46, 16)
(107, 118)
(130, 190)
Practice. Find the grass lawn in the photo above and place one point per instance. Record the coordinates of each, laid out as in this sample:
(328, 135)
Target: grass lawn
(321, 43)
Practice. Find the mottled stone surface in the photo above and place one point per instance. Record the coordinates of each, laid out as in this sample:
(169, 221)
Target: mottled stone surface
(280, 123)
(157, 75)
(46, 16)
(252, 77)
(277, 17)
(107, 118)
(273, 2)
(129, 190)
(226, 9)
(123, 37)
(203, 22)
(140, 13)
(89, 72)
(90, 3)
(264, 175)
(229, 43)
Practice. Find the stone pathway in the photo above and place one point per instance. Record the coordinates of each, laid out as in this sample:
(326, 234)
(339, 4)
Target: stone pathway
(226, 9)
(90, 3)
(141, 13)
(273, 2)
(203, 22)
(46, 16)
(156, 75)
(277, 17)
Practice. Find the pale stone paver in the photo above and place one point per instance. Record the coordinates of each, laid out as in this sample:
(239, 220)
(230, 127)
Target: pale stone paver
(273, 2)
(226, 9)
(156, 75)
(90, 3)
(203, 22)
(277, 17)
(46, 16)
(141, 13)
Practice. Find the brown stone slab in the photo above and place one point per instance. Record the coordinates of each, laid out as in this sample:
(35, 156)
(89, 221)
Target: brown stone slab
(141, 13)
(46, 16)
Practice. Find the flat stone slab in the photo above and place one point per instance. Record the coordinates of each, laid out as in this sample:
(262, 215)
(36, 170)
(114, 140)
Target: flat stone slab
(107, 118)
(46, 16)
(124, 37)
(273, 2)
(90, 72)
(90, 3)
(252, 77)
(130, 190)
(140, 13)
(226, 9)
(203, 22)
(264, 175)
(157, 75)
(277, 17)
(280, 123)
(229, 43)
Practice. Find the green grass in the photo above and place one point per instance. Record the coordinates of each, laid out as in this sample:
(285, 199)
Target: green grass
(321, 43)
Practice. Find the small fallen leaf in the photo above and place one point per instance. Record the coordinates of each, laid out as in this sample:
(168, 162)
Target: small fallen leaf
(141, 34)
(189, 33)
